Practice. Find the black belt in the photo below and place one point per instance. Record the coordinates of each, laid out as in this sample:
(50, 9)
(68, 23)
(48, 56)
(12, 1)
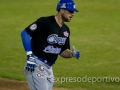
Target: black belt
(45, 61)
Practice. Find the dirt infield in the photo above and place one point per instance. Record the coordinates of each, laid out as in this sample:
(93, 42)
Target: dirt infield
(6, 84)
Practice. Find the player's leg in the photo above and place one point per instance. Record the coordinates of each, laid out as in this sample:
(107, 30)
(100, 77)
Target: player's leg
(37, 80)
(35, 83)
(50, 83)
(41, 78)
(49, 72)
(50, 80)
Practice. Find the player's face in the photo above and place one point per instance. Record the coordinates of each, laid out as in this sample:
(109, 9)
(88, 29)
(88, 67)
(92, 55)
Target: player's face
(67, 15)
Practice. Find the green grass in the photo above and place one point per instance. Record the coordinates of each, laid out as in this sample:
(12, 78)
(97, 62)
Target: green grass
(94, 31)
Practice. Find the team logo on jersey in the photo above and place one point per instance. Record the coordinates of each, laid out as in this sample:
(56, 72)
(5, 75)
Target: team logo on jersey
(66, 33)
(33, 27)
(51, 49)
(53, 38)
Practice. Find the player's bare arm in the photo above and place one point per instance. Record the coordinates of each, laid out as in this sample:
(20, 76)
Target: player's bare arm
(66, 54)
(69, 54)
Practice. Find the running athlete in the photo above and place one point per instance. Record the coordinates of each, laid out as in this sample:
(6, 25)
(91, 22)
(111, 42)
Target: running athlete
(43, 41)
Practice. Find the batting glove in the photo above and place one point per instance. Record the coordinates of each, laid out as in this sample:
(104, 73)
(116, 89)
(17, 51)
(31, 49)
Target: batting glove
(75, 53)
(30, 66)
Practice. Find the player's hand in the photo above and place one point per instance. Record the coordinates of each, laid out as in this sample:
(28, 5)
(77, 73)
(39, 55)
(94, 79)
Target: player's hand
(30, 66)
(75, 53)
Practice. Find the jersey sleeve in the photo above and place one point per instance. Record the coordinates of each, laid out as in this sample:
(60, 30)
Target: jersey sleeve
(36, 27)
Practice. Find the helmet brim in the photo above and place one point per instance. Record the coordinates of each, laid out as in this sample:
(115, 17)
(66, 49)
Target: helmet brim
(75, 10)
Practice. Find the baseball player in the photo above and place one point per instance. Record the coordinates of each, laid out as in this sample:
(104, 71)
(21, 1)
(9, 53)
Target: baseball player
(43, 41)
